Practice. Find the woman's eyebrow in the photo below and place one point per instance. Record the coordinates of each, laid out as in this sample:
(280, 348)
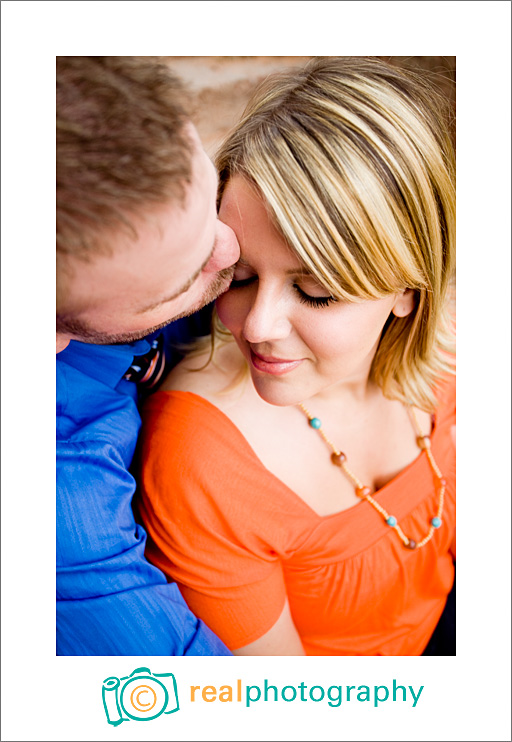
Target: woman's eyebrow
(303, 271)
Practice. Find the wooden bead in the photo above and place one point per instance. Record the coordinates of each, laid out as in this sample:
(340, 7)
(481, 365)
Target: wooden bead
(363, 491)
(423, 441)
(411, 545)
(338, 458)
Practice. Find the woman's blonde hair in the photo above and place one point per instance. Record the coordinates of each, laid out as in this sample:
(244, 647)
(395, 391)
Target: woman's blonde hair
(355, 163)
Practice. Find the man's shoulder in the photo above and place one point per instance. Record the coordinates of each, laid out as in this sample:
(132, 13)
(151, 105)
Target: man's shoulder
(91, 402)
(103, 363)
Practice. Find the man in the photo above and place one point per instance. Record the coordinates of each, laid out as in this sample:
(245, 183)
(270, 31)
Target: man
(138, 246)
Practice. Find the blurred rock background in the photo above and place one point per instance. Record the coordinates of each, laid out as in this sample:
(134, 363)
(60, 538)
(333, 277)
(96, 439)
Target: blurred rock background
(221, 86)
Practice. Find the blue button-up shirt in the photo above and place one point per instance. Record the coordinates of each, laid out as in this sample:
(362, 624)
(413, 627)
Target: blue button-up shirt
(110, 599)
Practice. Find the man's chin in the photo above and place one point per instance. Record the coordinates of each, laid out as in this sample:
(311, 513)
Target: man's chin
(87, 335)
(97, 338)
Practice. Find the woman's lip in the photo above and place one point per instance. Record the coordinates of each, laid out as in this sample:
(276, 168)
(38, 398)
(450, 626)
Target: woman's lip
(271, 365)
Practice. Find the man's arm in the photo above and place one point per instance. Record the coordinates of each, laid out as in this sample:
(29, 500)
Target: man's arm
(147, 621)
(110, 599)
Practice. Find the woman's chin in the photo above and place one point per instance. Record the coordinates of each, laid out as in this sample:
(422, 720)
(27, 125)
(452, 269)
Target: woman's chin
(275, 391)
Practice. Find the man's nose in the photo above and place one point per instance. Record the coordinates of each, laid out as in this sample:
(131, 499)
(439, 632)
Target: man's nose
(226, 252)
(267, 318)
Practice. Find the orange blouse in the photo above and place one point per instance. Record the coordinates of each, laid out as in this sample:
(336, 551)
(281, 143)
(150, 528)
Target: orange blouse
(237, 540)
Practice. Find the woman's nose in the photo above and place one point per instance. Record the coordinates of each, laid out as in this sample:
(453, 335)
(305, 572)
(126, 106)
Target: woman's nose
(267, 319)
(227, 249)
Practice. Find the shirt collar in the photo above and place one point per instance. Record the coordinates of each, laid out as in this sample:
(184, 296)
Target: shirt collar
(105, 363)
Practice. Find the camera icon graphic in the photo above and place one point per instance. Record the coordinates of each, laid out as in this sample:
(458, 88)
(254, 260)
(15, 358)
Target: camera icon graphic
(140, 696)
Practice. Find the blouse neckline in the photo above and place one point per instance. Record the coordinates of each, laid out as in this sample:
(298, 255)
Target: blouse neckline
(381, 495)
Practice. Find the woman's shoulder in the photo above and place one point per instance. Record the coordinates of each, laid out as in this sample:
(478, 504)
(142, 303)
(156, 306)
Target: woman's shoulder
(188, 412)
(446, 408)
(446, 392)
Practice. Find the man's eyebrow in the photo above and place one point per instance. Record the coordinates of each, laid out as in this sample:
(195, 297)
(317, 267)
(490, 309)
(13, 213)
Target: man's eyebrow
(184, 288)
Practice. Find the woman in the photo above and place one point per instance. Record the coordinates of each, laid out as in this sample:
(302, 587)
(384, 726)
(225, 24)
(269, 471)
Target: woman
(308, 507)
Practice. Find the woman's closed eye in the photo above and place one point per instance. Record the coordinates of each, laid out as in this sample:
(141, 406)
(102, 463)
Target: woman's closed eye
(237, 283)
(314, 301)
(304, 297)
(243, 275)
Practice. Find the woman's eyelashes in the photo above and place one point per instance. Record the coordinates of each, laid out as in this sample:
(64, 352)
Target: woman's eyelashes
(304, 298)
(238, 283)
(314, 301)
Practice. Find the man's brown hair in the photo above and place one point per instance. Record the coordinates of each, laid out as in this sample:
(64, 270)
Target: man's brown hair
(122, 145)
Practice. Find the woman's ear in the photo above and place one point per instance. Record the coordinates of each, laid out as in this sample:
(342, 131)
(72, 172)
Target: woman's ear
(404, 303)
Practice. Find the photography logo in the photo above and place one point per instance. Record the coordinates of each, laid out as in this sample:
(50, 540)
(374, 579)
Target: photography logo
(141, 696)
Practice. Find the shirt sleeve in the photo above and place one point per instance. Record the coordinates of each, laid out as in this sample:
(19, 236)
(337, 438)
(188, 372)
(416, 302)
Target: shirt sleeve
(209, 515)
(110, 600)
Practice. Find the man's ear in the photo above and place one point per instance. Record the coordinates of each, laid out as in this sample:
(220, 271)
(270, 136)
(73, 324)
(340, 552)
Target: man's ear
(404, 303)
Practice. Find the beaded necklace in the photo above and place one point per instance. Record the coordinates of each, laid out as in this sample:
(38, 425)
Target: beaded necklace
(338, 458)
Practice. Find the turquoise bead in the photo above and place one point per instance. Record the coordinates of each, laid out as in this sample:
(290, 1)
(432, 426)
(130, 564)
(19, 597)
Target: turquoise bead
(436, 522)
(391, 521)
(315, 423)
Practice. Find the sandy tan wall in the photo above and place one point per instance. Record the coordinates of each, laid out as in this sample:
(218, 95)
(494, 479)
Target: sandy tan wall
(221, 86)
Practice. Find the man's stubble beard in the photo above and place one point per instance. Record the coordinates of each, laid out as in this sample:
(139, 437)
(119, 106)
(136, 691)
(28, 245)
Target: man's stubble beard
(87, 335)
